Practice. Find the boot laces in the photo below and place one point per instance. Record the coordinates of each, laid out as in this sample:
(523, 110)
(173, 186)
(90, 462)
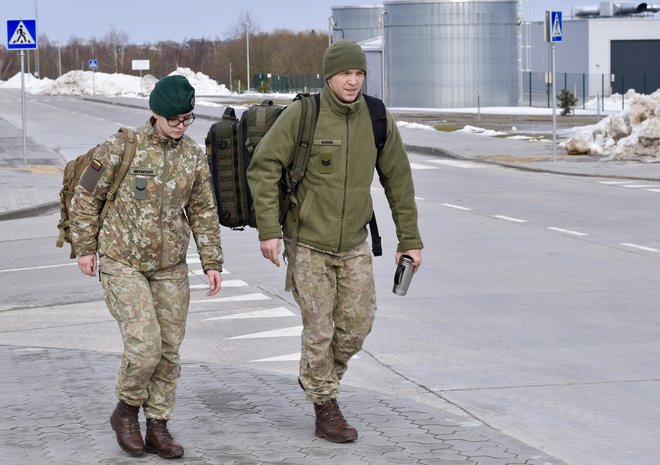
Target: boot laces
(332, 413)
(159, 428)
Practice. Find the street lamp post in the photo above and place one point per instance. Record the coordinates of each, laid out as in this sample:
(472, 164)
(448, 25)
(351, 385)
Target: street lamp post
(247, 42)
(59, 58)
(230, 80)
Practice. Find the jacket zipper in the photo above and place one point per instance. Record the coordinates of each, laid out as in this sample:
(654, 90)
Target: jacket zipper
(162, 203)
(343, 206)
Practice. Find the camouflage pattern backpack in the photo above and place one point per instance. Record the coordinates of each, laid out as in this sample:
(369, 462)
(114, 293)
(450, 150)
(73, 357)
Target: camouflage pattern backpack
(72, 172)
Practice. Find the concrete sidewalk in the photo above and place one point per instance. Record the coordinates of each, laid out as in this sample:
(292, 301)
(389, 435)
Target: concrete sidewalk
(55, 405)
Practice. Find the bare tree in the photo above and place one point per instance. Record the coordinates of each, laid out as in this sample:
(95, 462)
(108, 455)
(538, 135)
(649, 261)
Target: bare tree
(8, 64)
(115, 43)
(246, 19)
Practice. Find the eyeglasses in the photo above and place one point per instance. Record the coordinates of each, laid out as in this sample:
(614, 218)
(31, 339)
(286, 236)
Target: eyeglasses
(187, 121)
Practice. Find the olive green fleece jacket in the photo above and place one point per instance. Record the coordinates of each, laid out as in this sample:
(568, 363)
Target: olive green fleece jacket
(335, 194)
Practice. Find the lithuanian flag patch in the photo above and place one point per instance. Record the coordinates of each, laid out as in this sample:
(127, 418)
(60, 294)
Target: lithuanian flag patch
(95, 164)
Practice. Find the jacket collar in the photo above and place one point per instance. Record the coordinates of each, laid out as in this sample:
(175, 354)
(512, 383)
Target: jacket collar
(329, 99)
(156, 138)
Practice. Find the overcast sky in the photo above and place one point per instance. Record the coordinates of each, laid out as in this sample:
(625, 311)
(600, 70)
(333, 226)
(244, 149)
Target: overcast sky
(177, 20)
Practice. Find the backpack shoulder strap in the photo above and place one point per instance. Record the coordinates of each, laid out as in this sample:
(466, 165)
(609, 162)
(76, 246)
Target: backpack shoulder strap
(130, 145)
(293, 175)
(379, 127)
(378, 120)
(305, 138)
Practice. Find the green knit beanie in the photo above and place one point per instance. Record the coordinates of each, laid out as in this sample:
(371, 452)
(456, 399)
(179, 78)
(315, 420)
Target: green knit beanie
(172, 96)
(343, 55)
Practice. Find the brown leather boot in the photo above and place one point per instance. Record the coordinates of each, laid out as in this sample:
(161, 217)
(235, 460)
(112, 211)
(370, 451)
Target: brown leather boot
(158, 440)
(124, 421)
(331, 424)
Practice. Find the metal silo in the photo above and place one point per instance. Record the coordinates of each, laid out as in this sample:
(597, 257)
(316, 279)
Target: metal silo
(452, 53)
(356, 23)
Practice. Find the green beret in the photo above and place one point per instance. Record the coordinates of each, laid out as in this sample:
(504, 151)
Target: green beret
(343, 55)
(172, 96)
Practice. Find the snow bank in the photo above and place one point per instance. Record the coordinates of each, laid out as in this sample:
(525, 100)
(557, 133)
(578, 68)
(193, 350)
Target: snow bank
(404, 124)
(203, 84)
(632, 134)
(94, 83)
(32, 84)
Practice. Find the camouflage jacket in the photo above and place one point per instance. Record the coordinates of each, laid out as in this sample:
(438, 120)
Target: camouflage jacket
(166, 194)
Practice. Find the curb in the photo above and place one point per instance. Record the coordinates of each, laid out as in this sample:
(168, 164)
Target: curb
(146, 108)
(442, 153)
(30, 211)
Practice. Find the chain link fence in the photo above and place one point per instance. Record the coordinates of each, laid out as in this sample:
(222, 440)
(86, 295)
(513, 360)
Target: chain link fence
(537, 87)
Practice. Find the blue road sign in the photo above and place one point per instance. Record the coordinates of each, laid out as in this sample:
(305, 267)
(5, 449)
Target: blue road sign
(93, 64)
(21, 34)
(556, 26)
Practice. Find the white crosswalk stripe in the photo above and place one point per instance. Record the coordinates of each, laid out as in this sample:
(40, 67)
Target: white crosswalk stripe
(633, 185)
(292, 331)
(268, 313)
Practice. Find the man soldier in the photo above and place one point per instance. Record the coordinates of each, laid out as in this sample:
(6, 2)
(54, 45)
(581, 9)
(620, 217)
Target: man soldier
(142, 247)
(332, 275)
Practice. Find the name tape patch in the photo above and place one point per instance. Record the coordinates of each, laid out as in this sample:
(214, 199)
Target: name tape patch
(142, 172)
(327, 142)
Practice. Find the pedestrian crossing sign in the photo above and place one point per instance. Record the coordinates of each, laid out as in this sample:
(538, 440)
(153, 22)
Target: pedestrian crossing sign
(21, 34)
(555, 26)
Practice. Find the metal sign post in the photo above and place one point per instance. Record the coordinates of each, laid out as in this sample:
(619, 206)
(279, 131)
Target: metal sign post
(553, 34)
(23, 113)
(93, 64)
(22, 35)
(140, 65)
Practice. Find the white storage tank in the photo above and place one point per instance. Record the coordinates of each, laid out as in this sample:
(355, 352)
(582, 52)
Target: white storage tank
(452, 53)
(356, 23)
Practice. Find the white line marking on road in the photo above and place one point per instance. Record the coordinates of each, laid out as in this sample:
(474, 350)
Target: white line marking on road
(228, 283)
(613, 182)
(268, 313)
(459, 163)
(419, 198)
(282, 358)
(640, 247)
(287, 358)
(293, 331)
(638, 186)
(508, 218)
(568, 231)
(42, 267)
(418, 166)
(237, 298)
(457, 207)
(652, 190)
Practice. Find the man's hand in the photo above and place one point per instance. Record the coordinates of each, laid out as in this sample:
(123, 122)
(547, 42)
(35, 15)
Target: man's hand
(87, 264)
(416, 256)
(215, 282)
(270, 249)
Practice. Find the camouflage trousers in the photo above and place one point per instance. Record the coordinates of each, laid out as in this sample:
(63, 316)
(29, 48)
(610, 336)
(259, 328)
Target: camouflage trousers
(337, 299)
(151, 309)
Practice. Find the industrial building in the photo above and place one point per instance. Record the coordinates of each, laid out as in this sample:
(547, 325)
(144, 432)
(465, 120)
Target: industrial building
(453, 54)
(605, 50)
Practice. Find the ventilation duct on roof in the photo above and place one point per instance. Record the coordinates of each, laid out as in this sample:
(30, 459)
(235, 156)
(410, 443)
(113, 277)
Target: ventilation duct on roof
(607, 9)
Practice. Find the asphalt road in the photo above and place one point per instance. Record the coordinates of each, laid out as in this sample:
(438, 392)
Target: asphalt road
(534, 310)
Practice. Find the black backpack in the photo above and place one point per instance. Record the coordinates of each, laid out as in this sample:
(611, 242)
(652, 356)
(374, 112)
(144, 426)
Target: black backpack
(231, 142)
